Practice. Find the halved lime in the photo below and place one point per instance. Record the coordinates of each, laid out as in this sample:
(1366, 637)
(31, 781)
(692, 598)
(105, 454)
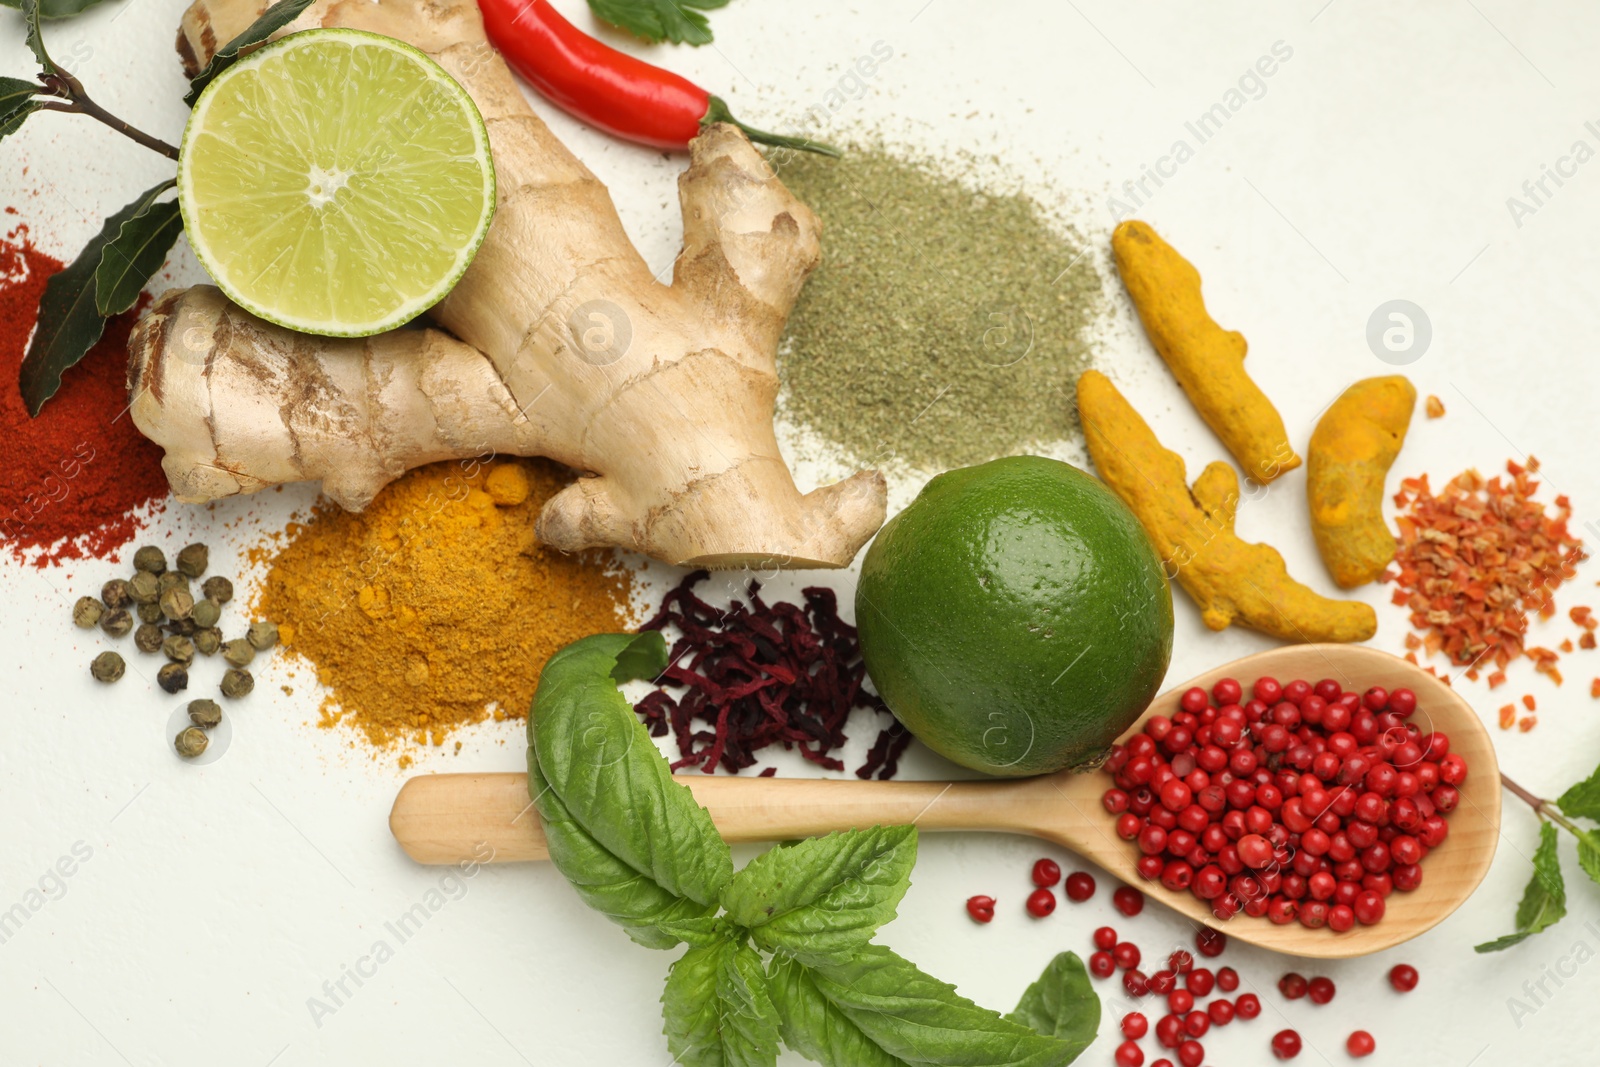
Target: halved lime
(336, 182)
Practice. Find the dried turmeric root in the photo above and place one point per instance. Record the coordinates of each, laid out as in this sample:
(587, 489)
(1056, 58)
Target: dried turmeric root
(1351, 451)
(1207, 360)
(1231, 580)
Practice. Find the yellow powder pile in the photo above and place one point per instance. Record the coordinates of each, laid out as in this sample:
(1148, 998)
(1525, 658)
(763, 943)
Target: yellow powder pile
(437, 606)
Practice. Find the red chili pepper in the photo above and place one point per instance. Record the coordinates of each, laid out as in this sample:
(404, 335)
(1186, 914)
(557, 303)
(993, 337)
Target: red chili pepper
(612, 90)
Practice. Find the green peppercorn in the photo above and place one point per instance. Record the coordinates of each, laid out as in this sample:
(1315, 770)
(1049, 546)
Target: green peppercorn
(173, 677)
(144, 588)
(150, 558)
(107, 667)
(176, 603)
(262, 635)
(182, 627)
(86, 612)
(117, 623)
(171, 580)
(237, 683)
(238, 652)
(191, 741)
(218, 588)
(178, 649)
(205, 713)
(206, 613)
(193, 558)
(149, 612)
(206, 642)
(115, 593)
(148, 638)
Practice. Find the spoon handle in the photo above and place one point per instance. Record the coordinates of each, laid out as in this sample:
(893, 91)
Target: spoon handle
(448, 818)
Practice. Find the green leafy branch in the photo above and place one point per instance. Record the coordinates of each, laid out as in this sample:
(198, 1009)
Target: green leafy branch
(655, 21)
(109, 273)
(1544, 901)
(781, 951)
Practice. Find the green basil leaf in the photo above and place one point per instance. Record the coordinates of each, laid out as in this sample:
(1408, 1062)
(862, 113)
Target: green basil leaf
(660, 20)
(137, 252)
(822, 899)
(652, 916)
(717, 1011)
(30, 28)
(922, 1020)
(69, 318)
(1544, 902)
(1582, 800)
(598, 759)
(1062, 1003)
(56, 9)
(271, 21)
(18, 100)
(813, 1027)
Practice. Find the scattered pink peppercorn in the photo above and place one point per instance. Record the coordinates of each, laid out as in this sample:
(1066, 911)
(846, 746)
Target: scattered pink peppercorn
(1403, 977)
(1360, 1043)
(1128, 900)
(1293, 986)
(1286, 1044)
(1046, 873)
(1041, 902)
(981, 908)
(1134, 1025)
(1320, 990)
(1080, 886)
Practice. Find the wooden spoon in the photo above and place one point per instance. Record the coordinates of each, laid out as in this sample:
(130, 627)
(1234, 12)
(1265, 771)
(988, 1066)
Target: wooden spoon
(447, 818)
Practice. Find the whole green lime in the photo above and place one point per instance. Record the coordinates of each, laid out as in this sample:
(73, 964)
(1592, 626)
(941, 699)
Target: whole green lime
(1015, 616)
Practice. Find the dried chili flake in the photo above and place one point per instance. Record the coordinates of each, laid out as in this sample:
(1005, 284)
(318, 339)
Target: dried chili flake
(1435, 407)
(1508, 716)
(1527, 723)
(1474, 560)
(1497, 679)
(764, 674)
(1528, 702)
(1594, 688)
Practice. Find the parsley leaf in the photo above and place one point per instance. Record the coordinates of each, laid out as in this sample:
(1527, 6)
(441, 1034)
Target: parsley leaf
(655, 21)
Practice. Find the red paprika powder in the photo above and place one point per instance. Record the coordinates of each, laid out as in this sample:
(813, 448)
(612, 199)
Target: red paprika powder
(75, 475)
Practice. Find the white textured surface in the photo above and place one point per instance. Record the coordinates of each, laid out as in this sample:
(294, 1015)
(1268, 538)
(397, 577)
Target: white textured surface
(1375, 165)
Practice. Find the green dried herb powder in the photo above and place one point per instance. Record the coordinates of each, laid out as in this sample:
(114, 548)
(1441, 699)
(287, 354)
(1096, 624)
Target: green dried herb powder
(945, 326)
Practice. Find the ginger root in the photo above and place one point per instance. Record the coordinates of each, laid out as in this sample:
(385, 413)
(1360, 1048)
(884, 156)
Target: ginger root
(1352, 448)
(1207, 360)
(560, 344)
(1192, 530)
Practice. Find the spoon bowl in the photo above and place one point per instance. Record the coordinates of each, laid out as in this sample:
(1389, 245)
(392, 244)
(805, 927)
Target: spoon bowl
(448, 818)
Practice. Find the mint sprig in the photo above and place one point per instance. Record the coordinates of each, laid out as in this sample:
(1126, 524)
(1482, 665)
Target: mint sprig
(1544, 901)
(780, 952)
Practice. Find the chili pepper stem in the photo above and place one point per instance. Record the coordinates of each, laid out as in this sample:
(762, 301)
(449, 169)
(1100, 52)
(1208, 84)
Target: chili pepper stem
(717, 111)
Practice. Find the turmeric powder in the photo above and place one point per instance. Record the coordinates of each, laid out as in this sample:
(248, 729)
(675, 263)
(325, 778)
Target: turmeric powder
(436, 606)
(1207, 360)
(1192, 530)
(1352, 448)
